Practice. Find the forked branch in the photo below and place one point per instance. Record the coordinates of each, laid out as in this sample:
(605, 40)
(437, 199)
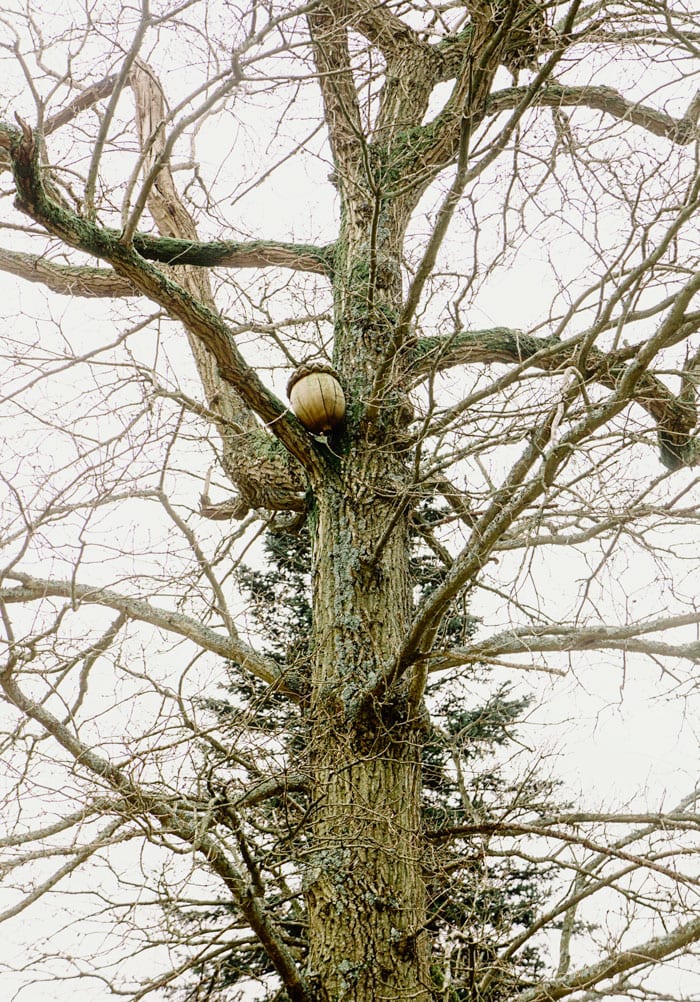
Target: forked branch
(229, 646)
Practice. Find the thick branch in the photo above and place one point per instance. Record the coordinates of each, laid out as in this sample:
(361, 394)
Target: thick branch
(269, 483)
(200, 320)
(652, 951)
(85, 99)
(429, 148)
(263, 480)
(277, 786)
(412, 70)
(236, 254)
(383, 28)
(32, 589)
(328, 27)
(567, 637)
(507, 35)
(683, 130)
(67, 280)
(675, 416)
(102, 283)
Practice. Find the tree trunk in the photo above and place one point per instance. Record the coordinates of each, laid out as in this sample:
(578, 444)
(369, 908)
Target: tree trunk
(365, 891)
(365, 887)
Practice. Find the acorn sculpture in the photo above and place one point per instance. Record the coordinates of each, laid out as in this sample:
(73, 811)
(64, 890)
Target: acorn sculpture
(316, 396)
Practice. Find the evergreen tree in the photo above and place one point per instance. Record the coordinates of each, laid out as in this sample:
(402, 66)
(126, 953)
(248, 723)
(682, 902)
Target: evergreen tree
(476, 898)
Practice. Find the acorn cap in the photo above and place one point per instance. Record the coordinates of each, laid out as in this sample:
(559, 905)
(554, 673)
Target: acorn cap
(307, 368)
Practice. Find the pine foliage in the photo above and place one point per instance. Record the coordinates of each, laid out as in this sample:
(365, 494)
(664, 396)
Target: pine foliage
(477, 895)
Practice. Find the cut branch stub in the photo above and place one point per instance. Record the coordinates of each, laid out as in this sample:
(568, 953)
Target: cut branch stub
(316, 396)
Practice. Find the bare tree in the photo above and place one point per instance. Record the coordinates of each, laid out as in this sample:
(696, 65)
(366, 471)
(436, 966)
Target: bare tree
(484, 217)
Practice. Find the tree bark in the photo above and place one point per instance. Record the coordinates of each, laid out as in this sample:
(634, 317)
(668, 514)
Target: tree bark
(365, 889)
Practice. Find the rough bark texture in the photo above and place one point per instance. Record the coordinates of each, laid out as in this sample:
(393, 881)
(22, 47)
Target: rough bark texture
(365, 888)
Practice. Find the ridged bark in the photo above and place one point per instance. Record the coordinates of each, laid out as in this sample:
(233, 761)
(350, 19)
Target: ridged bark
(365, 889)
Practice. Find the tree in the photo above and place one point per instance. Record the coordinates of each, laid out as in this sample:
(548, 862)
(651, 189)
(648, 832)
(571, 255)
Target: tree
(457, 149)
(469, 889)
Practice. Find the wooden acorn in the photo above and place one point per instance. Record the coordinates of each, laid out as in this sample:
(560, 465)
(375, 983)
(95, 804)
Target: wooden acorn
(316, 396)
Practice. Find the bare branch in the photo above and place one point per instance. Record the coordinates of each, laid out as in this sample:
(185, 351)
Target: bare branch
(98, 807)
(507, 829)
(174, 820)
(383, 28)
(629, 959)
(675, 415)
(67, 280)
(34, 589)
(79, 856)
(681, 130)
(236, 254)
(199, 319)
(328, 24)
(85, 99)
(569, 637)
